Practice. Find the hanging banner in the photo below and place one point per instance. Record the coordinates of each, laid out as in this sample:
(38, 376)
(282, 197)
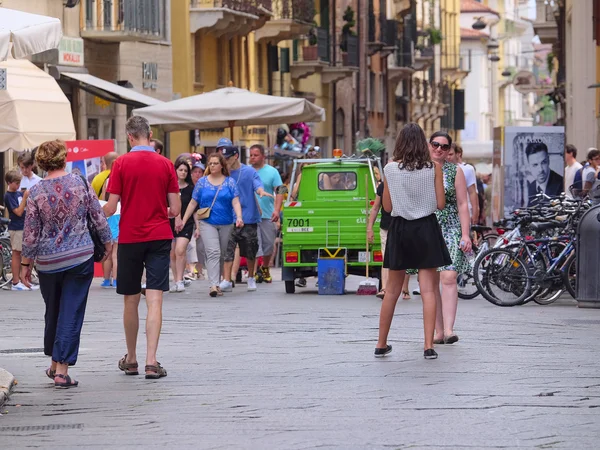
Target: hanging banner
(83, 157)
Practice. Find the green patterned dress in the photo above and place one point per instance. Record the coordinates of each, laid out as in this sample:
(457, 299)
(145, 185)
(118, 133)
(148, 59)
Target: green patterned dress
(450, 223)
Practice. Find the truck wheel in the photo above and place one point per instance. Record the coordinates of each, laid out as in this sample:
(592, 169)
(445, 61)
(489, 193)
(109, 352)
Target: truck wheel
(290, 287)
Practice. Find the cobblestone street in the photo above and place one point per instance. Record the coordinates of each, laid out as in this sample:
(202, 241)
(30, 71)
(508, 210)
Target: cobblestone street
(268, 370)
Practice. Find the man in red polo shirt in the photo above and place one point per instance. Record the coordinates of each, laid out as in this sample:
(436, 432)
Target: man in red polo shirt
(146, 184)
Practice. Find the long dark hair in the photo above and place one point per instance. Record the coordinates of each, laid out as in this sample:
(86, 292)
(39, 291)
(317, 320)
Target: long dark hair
(441, 134)
(411, 149)
(188, 177)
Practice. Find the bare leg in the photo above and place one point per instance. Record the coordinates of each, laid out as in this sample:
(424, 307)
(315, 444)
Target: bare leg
(114, 258)
(429, 281)
(173, 260)
(227, 265)
(392, 292)
(107, 268)
(235, 265)
(439, 318)
(15, 265)
(251, 265)
(449, 300)
(405, 291)
(131, 323)
(154, 299)
(180, 257)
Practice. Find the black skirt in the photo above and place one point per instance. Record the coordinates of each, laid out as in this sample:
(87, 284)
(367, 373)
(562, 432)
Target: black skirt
(415, 244)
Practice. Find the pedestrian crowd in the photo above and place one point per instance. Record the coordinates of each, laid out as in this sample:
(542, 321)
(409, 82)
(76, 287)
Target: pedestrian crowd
(153, 216)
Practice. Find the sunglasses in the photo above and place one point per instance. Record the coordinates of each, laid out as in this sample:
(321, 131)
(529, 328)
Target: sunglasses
(436, 144)
(214, 163)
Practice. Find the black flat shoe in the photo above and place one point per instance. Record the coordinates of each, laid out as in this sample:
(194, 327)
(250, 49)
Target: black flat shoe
(439, 341)
(451, 339)
(430, 354)
(381, 352)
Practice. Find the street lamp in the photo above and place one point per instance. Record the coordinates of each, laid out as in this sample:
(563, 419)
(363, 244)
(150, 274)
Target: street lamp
(494, 58)
(506, 73)
(479, 24)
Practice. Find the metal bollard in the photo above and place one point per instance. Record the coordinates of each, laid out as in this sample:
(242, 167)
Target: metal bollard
(588, 259)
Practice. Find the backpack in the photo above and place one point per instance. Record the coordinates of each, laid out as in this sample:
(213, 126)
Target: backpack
(578, 179)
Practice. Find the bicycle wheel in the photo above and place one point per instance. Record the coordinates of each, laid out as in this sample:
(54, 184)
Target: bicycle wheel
(467, 289)
(545, 287)
(501, 277)
(569, 273)
(6, 272)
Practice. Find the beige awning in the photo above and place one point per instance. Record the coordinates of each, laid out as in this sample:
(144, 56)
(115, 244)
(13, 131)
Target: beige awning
(110, 91)
(229, 107)
(27, 33)
(33, 108)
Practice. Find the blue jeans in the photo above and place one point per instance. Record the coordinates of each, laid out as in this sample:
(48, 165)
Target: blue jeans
(65, 294)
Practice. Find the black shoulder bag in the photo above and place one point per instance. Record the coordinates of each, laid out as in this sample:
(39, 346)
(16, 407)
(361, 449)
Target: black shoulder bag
(99, 249)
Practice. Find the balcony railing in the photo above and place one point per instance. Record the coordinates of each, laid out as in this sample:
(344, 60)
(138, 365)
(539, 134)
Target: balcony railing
(254, 7)
(390, 36)
(351, 57)
(304, 52)
(137, 18)
(298, 10)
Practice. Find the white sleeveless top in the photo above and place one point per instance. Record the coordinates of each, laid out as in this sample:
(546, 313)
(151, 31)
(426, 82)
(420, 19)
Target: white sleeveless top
(412, 191)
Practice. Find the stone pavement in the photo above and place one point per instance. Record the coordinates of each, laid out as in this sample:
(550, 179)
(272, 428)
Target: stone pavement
(269, 370)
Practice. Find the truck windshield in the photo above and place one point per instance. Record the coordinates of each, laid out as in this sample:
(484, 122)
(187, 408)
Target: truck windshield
(337, 181)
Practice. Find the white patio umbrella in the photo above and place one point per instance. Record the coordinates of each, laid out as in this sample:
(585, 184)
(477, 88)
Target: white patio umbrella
(229, 107)
(28, 33)
(33, 108)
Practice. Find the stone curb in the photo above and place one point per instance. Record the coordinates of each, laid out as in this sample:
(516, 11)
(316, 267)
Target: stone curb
(7, 381)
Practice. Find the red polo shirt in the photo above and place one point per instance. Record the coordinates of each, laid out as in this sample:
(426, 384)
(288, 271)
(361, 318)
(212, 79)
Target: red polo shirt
(143, 179)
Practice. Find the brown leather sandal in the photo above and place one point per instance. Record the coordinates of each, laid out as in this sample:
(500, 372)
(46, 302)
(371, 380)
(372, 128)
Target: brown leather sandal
(128, 368)
(156, 372)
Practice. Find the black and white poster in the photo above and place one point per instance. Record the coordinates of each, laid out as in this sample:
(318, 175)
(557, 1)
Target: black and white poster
(533, 165)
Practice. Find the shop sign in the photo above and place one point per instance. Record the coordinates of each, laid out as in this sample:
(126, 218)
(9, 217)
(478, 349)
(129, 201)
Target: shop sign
(254, 130)
(150, 75)
(525, 82)
(70, 52)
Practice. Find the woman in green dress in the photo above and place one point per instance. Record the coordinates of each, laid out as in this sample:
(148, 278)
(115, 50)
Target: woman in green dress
(454, 220)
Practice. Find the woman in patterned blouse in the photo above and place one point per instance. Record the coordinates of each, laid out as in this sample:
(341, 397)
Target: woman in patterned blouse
(57, 239)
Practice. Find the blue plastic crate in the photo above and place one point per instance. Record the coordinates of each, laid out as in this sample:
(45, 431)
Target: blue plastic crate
(332, 276)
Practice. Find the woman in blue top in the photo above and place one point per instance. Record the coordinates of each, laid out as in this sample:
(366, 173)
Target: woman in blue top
(218, 191)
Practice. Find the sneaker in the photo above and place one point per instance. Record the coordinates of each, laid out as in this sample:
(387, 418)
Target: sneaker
(266, 275)
(187, 283)
(258, 276)
(301, 282)
(106, 284)
(251, 284)
(417, 292)
(226, 286)
(19, 287)
(180, 286)
(190, 277)
(115, 284)
(173, 288)
(36, 287)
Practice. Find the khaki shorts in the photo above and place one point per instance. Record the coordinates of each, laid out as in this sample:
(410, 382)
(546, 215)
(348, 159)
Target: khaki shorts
(16, 240)
(383, 237)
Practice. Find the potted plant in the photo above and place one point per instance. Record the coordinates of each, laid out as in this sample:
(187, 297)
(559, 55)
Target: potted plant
(435, 36)
(310, 52)
(347, 30)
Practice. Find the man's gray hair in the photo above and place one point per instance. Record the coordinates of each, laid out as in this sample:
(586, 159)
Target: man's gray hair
(138, 127)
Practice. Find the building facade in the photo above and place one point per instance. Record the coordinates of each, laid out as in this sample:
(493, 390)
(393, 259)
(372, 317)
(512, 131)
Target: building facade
(120, 49)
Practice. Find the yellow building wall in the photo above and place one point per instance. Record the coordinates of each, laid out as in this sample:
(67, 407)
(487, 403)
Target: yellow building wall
(201, 64)
(451, 32)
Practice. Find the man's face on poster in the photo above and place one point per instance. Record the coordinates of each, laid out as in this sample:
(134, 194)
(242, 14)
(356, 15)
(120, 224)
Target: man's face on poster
(539, 164)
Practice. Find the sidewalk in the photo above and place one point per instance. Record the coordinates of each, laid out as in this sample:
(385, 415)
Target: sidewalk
(270, 370)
